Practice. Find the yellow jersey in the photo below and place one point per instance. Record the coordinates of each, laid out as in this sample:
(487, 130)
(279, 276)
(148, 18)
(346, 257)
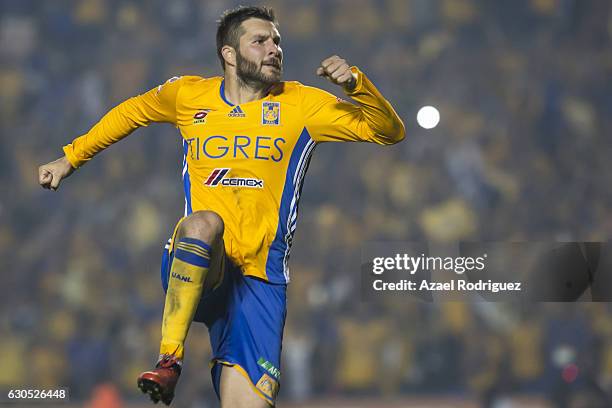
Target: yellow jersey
(247, 162)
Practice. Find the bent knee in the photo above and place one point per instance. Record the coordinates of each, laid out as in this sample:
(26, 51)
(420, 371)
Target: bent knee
(204, 224)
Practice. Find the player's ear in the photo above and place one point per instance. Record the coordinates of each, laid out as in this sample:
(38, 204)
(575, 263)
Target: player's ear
(229, 55)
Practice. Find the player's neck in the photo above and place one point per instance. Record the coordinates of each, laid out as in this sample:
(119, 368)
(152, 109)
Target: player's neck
(239, 92)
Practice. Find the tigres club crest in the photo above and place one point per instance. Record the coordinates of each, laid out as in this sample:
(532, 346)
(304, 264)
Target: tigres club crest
(270, 113)
(268, 386)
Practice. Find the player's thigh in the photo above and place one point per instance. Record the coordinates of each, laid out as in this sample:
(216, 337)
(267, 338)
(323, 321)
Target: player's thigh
(237, 392)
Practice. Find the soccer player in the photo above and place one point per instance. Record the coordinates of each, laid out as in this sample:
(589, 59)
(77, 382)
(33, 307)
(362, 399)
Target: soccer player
(247, 139)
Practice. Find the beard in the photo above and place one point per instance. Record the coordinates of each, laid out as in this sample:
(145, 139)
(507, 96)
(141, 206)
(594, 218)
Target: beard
(252, 75)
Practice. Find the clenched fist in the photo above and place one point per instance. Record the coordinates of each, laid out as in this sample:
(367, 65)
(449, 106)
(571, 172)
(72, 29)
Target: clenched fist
(51, 174)
(338, 72)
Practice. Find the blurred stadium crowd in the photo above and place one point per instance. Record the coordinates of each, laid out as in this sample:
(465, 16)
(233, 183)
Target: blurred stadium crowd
(521, 153)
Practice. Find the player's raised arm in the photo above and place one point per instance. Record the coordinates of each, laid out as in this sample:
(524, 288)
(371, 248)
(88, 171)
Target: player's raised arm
(51, 174)
(156, 105)
(373, 119)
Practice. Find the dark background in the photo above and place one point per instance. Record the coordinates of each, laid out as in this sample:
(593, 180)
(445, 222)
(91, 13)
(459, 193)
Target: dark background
(521, 153)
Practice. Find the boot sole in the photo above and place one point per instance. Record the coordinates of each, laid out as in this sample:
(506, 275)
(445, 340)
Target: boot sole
(154, 390)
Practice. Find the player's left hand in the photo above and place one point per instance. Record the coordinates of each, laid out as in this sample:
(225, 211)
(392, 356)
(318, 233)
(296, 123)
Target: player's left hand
(338, 72)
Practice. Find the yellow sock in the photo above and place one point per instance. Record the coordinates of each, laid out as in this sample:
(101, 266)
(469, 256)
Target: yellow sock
(189, 269)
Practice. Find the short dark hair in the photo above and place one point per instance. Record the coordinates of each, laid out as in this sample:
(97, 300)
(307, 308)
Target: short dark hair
(229, 25)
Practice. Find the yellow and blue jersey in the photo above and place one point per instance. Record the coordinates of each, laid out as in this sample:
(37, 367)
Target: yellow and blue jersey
(247, 162)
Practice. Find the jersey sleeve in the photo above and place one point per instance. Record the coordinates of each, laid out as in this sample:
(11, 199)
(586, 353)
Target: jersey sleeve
(330, 119)
(156, 105)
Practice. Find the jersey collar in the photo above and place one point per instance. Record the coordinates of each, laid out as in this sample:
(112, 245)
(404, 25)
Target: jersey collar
(222, 92)
(224, 99)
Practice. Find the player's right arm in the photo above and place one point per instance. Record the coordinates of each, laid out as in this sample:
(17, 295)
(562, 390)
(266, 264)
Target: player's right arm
(156, 105)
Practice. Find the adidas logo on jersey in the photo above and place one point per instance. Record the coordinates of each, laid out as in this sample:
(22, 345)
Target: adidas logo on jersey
(237, 112)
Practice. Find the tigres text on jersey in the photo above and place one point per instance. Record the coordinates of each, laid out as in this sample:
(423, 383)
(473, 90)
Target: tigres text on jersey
(247, 162)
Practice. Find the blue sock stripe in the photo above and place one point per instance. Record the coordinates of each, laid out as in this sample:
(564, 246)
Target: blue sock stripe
(191, 258)
(192, 248)
(205, 256)
(196, 241)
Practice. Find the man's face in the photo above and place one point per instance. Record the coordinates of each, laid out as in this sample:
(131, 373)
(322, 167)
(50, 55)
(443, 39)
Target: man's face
(259, 59)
